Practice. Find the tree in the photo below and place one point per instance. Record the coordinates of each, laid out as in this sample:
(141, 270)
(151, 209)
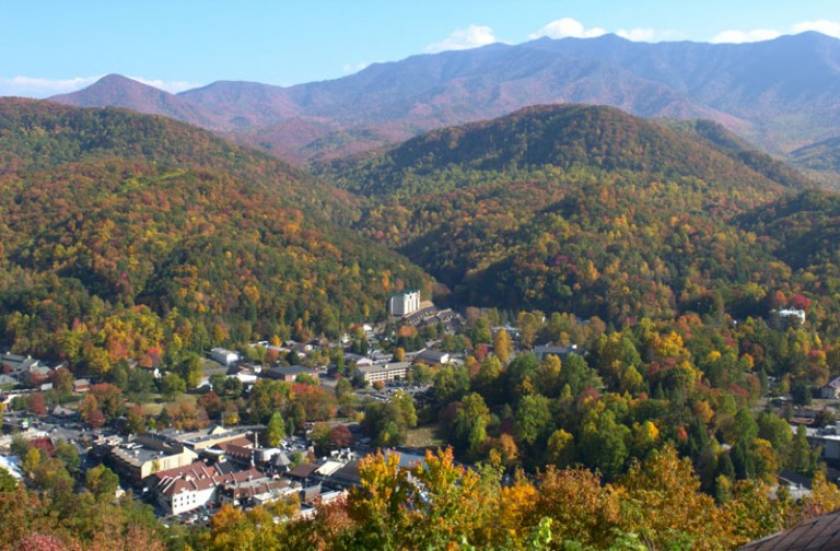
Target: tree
(276, 429)
(560, 450)
(102, 482)
(90, 412)
(399, 354)
(388, 423)
(603, 444)
(37, 404)
(172, 385)
(470, 424)
(502, 345)
(340, 437)
(533, 418)
(801, 457)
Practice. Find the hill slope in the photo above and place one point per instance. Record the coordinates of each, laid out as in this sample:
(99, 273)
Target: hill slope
(778, 93)
(120, 231)
(581, 209)
(565, 137)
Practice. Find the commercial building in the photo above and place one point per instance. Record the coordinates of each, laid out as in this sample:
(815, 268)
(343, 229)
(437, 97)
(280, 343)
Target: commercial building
(404, 304)
(385, 373)
(148, 454)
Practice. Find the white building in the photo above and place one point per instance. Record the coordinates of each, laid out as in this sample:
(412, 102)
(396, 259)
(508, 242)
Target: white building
(224, 356)
(404, 304)
(792, 313)
(385, 373)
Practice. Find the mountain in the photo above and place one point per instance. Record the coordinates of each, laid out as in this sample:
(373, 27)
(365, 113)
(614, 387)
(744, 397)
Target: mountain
(564, 137)
(124, 234)
(581, 209)
(779, 94)
(119, 91)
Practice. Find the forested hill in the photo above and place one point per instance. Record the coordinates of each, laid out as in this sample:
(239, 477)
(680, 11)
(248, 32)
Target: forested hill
(123, 235)
(565, 136)
(41, 135)
(592, 211)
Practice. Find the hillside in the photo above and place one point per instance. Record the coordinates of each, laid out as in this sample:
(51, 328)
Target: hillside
(777, 93)
(582, 209)
(565, 137)
(121, 232)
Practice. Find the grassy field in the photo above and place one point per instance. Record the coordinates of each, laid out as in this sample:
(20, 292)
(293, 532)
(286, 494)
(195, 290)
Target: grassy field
(424, 437)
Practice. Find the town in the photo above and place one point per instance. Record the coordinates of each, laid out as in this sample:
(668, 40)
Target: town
(186, 465)
(188, 469)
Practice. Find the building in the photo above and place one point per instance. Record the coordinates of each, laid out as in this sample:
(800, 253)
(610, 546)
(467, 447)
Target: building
(385, 373)
(816, 534)
(224, 356)
(433, 357)
(544, 350)
(148, 454)
(256, 491)
(214, 436)
(289, 374)
(831, 390)
(787, 317)
(404, 304)
(197, 485)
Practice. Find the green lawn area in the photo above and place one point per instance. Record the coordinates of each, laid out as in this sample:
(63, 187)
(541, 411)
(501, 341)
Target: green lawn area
(155, 403)
(424, 437)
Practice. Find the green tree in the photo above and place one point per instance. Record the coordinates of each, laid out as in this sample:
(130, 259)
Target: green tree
(101, 482)
(533, 418)
(276, 429)
(470, 424)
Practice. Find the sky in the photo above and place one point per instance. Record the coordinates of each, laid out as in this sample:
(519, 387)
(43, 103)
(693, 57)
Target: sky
(55, 46)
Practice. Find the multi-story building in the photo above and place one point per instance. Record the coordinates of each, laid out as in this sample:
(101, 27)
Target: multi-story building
(148, 454)
(385, 373)
(404, 304)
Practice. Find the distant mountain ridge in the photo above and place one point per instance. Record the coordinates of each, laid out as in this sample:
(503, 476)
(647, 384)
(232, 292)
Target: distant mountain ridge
(779, 94)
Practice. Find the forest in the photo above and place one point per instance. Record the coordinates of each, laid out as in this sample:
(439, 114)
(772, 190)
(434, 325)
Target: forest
(663, 251)
(135, 238)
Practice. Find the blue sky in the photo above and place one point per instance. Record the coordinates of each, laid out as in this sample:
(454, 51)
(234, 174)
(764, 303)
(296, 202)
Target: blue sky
(48, 47)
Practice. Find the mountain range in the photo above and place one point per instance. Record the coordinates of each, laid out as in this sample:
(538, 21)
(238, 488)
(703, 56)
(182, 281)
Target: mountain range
(779, 94)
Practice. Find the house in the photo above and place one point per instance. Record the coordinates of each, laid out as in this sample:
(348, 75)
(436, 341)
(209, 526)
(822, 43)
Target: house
(224, 356)
(404, 304)
(831, 390)
(302, 472)
(433, 357)
(288, 374)
(81, 385)
(816, 534)
(544, 350)
(385, 373)
(148, 454)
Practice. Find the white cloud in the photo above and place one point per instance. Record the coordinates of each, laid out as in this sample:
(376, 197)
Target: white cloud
(464, 39)
(567, 27)
(354, 67)
(38, 87)
(41, 87)
(638, 34)
(831, 28)
(173, 86)
(733, 36)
